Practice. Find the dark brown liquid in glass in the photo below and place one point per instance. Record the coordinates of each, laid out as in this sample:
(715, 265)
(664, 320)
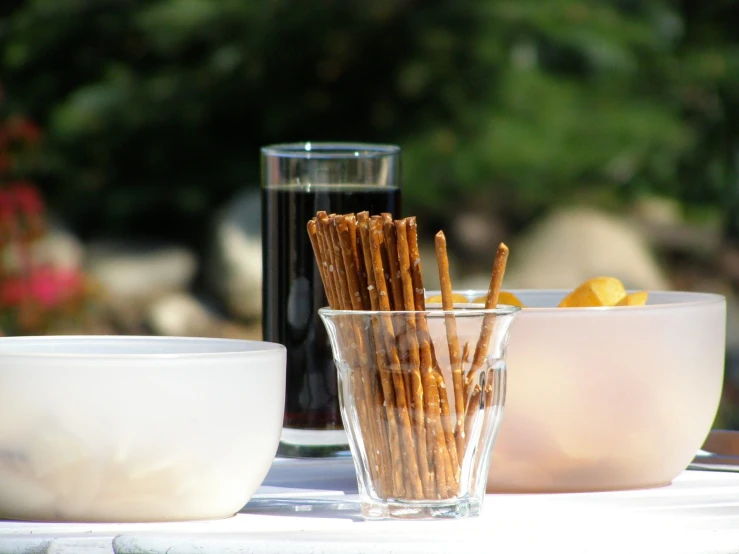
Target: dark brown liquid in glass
(293, 292)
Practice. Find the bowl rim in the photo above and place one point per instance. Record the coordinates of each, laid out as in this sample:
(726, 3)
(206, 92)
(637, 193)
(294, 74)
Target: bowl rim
(238, 347)
(698, 299)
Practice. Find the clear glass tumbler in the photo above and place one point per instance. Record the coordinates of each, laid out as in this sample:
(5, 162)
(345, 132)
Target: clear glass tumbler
(421, 427)
(298, 180)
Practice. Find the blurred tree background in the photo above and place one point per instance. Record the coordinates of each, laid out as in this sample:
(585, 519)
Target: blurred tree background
(154, 110)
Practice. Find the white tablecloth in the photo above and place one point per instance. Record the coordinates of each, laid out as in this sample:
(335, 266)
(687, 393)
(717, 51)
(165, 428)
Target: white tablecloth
(311, 506)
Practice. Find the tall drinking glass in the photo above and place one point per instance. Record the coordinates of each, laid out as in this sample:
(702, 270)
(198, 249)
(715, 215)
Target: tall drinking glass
(299, 180)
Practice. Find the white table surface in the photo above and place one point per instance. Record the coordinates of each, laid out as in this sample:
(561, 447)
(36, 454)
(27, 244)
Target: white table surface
(311, 506)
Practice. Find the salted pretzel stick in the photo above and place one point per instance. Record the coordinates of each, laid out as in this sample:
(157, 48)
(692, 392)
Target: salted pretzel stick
(466, 352)
(396, 297)
(452, 465)
(362, 375)
(469, 377)
(371, 381)
(349, 263)
(439, 443)
(318, 252)
(388, 392)
(443, 469)
(414, 362)
(395, 287)
(472, 404)
(393, 269)
(324, 242)
(450, 322)
(355, 355)
(488, 323)
(407, 443)
(358, 261)
(385, 257)
(491, 302)
(324, 235)
(345, 301)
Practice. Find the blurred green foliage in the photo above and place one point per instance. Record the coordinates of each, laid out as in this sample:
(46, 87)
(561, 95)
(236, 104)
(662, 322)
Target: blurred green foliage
(154, 109)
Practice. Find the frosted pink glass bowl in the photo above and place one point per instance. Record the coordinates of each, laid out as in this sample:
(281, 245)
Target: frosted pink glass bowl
(608, 398)
(136, 428)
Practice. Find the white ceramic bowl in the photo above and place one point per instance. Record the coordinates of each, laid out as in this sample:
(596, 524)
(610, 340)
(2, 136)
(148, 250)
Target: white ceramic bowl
(608, 398)
(136, 428)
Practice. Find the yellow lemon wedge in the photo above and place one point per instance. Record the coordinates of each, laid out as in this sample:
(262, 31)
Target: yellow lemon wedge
(504, 297)
(634, 299)
(599, 291)
(456, 299)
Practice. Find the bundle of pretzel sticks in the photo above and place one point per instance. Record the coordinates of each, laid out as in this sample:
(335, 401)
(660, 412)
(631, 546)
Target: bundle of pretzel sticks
(414, 438)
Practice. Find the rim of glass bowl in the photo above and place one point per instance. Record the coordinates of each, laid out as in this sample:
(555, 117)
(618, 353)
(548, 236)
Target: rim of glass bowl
(469, 310)
(701, 299)
(238, 346)
(330, 150)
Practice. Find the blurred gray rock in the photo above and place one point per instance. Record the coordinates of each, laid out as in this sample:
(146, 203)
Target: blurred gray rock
(138, 272)
(183, 315)
(476, 235)
(661, 222)
(573, 245)
(58, 248)
(180, 314)
(234, 268)
(657, 211)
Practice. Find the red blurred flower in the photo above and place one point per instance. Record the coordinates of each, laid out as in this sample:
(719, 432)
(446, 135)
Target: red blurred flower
(13, 291)
(26, 197)
(48, 287)
(52, 287)
(8, 216)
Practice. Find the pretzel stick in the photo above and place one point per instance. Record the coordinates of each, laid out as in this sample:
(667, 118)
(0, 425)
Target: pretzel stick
(434, 441)
(349, 263)
(376, 235)
(415, 258)
(362, 374)
(354, 348)
(345, 300)
(491, 302)
(358, 261)
(385, 256)
(488, 323)
(414, 364)
(324, 242)
(396, 289)
(450, 479)
(388, 392)
(396, 285)
(372, 390)
(451, 453)
(443, 471)
(472, 404)
(318, 252)
(450, 322)
(371, 380)
(466, 352)
(440, 443)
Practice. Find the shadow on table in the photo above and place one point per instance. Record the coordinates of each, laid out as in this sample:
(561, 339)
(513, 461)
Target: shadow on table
(333, 507)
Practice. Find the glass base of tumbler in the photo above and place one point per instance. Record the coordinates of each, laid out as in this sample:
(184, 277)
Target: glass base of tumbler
(418, 509)
(313, 443)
